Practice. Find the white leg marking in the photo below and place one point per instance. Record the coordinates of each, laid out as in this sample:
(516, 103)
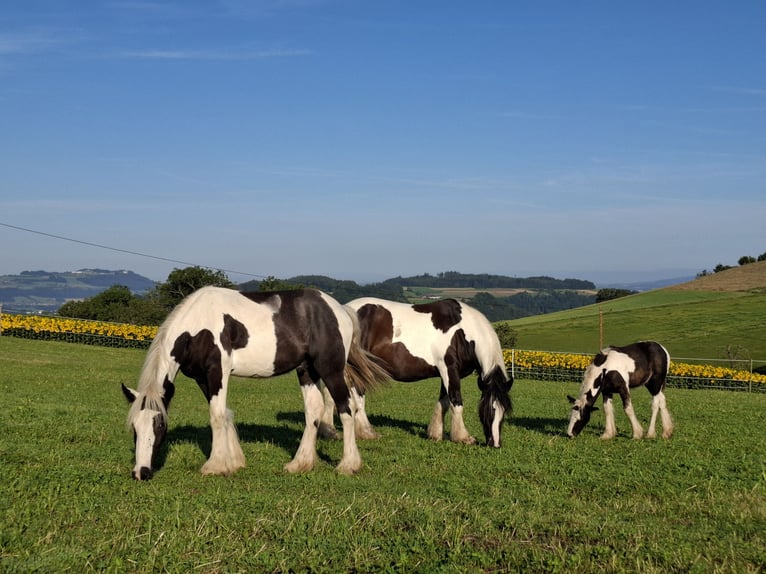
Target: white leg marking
(226, 456)
(651, 431)
(638, 432)
(352, 460)
(667, 420)
(364, 429)
(609, 429)
(306, 457)
(436, 426)
(458, 432)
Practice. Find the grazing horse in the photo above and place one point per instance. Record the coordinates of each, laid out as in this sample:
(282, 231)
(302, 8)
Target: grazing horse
(617, 370)
(217, 332)
(446, 339)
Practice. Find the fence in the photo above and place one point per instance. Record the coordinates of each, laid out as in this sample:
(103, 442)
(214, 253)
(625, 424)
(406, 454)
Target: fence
(686, 373)
(721, 374)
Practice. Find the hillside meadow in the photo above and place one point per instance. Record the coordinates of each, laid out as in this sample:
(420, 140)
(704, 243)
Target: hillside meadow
(690, 323)
(541, 503)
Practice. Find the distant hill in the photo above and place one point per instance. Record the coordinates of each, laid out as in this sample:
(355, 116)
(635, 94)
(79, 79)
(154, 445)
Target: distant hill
(718, 316)
(46, 291)
(499, 297)
(743, 278)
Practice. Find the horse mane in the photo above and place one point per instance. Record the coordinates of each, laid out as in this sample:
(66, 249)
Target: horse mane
(151, 390)
(489, 353)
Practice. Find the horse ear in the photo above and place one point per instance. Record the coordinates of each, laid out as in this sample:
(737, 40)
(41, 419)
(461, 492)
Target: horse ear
(571, 399)
(130, 394)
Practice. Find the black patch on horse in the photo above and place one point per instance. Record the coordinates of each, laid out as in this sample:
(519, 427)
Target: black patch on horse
(445, 314)
(200, 359)
(234, 334)
(377, 338)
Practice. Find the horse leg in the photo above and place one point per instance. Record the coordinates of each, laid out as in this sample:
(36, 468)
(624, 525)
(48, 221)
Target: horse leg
(352, 460)
(609, 428)
(458, 431)
(326, 424)
(627, 404)
(363, 427)
(658, 403)
(306, 457)
(436, 426)
(226, 456)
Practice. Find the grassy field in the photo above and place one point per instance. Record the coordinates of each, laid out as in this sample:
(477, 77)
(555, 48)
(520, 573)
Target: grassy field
(542, 503)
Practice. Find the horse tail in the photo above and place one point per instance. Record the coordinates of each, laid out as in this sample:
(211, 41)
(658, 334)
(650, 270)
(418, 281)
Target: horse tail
(364, 371)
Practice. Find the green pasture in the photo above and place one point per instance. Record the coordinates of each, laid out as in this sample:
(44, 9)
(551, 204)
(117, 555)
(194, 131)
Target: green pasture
(542, 503)
(704, 324)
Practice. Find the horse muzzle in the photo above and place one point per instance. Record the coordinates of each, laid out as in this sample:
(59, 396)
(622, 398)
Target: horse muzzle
(143, 473)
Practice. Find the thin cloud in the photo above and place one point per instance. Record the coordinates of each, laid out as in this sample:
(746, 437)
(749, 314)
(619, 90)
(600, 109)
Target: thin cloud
(213, 55)
(741, 90)
(29, 42)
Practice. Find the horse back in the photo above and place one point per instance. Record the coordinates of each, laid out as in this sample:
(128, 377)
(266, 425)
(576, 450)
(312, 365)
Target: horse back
(652, 362)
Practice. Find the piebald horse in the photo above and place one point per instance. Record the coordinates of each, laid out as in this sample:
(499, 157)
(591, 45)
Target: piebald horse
(217, 332)
(617, 370)
(446, 339)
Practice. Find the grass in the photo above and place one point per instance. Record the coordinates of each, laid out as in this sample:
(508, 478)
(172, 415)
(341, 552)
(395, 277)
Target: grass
(542, 503)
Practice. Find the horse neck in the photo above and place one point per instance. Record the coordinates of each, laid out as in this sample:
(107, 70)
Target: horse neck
(588, 391)
(158, 367)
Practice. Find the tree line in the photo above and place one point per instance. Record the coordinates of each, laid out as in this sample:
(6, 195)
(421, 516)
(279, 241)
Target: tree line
(744, 260)
(119, 304)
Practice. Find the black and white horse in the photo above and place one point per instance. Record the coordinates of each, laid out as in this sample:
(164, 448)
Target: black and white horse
(617, 370)
(216, 332)
(446, 339)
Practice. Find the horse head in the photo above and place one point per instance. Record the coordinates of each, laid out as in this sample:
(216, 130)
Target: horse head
(149, 420)
(495, 403)
(583, 406)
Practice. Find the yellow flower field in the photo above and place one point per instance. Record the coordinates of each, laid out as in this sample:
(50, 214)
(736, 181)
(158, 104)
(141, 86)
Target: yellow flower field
(527, 364)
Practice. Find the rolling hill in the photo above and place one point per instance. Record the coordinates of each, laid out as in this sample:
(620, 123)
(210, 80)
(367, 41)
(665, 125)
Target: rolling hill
(46, 291)
(717, 316)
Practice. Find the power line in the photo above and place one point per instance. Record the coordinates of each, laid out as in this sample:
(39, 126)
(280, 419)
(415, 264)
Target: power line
(129, 252)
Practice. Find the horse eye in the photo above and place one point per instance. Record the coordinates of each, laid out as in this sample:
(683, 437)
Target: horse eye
(576, 408)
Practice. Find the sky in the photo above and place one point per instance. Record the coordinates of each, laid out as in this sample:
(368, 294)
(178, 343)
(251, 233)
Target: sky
(601, 140)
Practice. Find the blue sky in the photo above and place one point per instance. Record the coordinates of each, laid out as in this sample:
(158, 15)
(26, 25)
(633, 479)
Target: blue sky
(365, 140)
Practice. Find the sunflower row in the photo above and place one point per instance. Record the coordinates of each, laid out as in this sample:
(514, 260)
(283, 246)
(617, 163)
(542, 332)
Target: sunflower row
(542, 365)
(536, 365)
(77, 330)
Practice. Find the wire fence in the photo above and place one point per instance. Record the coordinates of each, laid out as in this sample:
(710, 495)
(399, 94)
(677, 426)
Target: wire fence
(685, 373)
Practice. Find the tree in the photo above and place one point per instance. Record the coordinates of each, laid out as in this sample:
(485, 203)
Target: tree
(183, 282)
(116, 304)
(609, 294)
(762, 257)
(271, 283)
(746, 259)
(507, 335)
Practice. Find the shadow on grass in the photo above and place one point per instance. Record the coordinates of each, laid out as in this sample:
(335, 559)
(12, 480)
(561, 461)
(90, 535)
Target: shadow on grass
(547, 426)
(284, 437)
(382, 421)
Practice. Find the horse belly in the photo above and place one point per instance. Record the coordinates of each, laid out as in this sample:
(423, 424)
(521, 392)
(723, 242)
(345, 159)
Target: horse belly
(255, 363)
(403, 365)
